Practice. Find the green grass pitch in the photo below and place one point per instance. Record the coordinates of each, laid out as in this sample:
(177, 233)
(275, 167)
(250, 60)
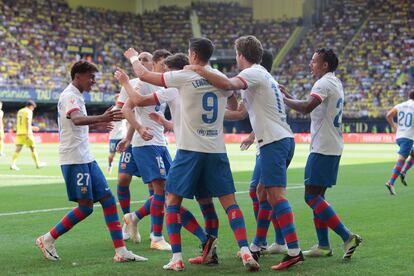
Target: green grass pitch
(32, 201)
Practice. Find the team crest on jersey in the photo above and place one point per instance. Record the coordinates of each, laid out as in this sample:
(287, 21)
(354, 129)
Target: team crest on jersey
(84, 189)
(123, 166)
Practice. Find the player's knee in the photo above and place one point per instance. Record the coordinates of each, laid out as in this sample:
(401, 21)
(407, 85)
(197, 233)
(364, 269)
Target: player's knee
(158, 186)
(173, 199)
(309, 198)
(124, 179)
(85, 203)
(204, 201)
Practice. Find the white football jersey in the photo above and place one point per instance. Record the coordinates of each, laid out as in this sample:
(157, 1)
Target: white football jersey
(264, 103)
(73, 140)
(171, 97)
(202, 109)
(405, 127)
(326, 118)
(142, 116)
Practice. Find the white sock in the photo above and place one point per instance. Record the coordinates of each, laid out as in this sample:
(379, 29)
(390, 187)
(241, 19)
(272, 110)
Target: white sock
(244, 250)
(134, 217)
(293, 252)
(254, 248)
(48, 238)
(177, 257)
(121, 250)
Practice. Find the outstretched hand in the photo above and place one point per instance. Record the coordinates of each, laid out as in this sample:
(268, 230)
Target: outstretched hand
(246, 143)
(123, 145)
(112, 115)
(121, 76)
(130, 53)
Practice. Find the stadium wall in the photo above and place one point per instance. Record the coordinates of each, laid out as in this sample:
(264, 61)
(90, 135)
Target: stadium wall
(382, 138)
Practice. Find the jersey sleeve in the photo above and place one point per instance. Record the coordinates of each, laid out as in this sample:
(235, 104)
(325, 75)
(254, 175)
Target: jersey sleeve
(249, 78)
(123, 97)
(319, 91)
(175, 78)
(70, 104)
(165, 95)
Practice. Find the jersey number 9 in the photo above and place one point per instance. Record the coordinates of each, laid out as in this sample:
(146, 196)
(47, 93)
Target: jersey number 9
(210, 104)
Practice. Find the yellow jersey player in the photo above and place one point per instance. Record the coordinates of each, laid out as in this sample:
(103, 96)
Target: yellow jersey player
(1, 130)
(24, 134)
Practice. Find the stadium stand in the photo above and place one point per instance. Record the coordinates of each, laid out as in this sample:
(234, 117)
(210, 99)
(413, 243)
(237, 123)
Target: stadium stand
(374, 41)
(224, 22)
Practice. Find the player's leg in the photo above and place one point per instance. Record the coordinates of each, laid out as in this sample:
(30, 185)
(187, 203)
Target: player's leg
(31, 144)
(19, 146)
(112, 151)
(266, 215)
(237, 225)
(320, 173)
(211, 222)
(123, 192)
(253, 186)
(406, 146)
(190, 223)
(407, 166)
(208, 244)
(173, 221)
(102, 193)
(275, 160)
(157, 216)
(183, 178)
(323, 248)
(78, 185)
(279, 246)
(153, 163)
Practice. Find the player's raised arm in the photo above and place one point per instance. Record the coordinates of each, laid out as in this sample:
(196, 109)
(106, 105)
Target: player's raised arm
(142, 73)
(109, 115)
(217, 80)
(390, 118)
(134, 94)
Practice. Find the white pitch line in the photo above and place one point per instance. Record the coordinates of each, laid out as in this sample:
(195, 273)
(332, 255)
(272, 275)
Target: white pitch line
(98, 205)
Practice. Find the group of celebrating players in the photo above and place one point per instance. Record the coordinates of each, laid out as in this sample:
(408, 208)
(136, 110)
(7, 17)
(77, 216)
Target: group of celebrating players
(200, 98)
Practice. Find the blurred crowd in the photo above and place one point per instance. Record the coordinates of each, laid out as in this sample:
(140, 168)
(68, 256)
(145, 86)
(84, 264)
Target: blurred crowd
(40, 39)
(374, 41)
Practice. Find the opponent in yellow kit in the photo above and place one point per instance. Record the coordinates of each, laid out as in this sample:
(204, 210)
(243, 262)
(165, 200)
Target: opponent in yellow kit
(24, 134)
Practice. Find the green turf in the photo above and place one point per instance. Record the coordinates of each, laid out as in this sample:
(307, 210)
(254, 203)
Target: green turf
(360, 198)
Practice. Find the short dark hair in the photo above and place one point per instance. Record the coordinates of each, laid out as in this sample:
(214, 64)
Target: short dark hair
(177, 61)
(411, 95)
(329, 56)
(157, 55)
(203, 47)
(82, 67)
(31, 103)
(267, 60)
(250, 47)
